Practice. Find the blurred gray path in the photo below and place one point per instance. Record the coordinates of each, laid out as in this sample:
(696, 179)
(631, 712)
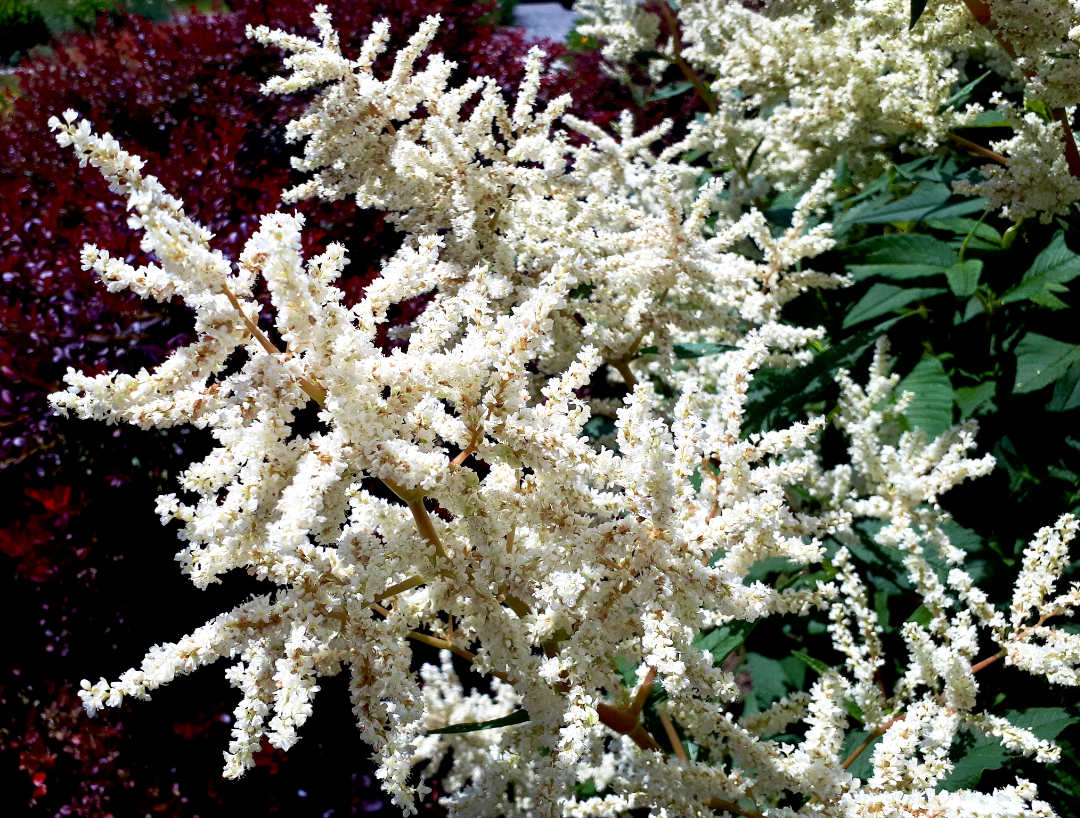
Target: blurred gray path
(544, 20)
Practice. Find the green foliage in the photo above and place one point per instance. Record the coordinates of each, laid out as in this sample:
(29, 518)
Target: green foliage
(25, 24)
(519, 716)
(982, 753)
(978, 313)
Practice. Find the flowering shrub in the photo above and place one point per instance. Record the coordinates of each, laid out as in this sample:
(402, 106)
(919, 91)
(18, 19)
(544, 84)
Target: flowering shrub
(456, 490)
(172, 90)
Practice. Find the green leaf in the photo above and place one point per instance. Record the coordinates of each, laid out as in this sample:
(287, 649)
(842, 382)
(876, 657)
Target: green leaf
(722, 641)
(669, 91)
(987, 753)
(814, 664)
(519, 716)
(1041, 360)
(962, 227)
(917, 8)
(767, 677)
(964, 277)
(928, 200)
(904, 248)
(970, 398)
(1052, 269)
(863, 766)
(1037, 106)
(921, 616)
(1045, 722)
(777, 394)
(701, 349)
(932, 409)
(963, 92)
(882, 299)
(894, 272)
(1066, 391)
(988, 119)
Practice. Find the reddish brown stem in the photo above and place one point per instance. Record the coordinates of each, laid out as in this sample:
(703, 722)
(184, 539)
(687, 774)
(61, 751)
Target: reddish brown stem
(989, 660)
(676, 48)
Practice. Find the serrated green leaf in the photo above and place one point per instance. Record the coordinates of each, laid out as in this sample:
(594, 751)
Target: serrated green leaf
(519, 716)
(963, 227)
(927, 201)
(921, 616)
(585, 789)
(863, 766)
(1041, 360)
(1055, 266)
(1066, 391)
(1037, 106)
(767, 677)
(964, 277)
(988, 119)
(882, 299)
(932, 408)
(774, 393)
(1045, 722)
(973, 307)
(957, 98)
(984, 755)
(987, 753)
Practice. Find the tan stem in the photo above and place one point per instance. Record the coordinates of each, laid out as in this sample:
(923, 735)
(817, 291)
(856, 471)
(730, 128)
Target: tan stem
(978, 149)
(623, 368)
(642, 693)
(314, 390)
(404, 585)
(426, 527)
(673, 737)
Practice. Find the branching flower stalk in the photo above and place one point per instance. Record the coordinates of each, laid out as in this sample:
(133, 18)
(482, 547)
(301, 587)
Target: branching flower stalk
(555, 557)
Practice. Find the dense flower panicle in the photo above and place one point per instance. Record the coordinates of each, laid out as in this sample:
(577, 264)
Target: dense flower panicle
(796, 87)
(549, 266)
(835, 78)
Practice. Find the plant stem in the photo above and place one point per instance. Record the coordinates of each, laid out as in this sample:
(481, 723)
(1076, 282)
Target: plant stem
(404, 585)
(676, 46)
(623, 368)
(976, 148)
(426, 527)
(314, 390)
(673, 737)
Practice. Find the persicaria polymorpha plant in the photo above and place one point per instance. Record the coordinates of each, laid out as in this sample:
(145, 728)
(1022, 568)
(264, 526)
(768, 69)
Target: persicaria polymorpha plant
(455, 492)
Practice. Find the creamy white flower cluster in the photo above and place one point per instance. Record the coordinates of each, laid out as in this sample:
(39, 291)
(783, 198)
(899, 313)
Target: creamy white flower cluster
(795, 86)
(448, 495)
